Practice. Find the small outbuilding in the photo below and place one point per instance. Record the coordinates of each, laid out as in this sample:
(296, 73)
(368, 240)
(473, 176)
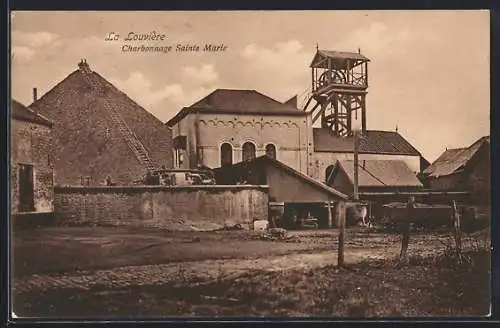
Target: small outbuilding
(301, 196)
(374, 176)
(463, 169)
(31, 159)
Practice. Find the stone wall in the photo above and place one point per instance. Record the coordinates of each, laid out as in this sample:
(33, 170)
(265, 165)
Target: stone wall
(173, 208)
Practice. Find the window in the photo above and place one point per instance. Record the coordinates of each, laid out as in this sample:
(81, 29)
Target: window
(271, 151)
(26, 189)
(226, 154)
(248, 151)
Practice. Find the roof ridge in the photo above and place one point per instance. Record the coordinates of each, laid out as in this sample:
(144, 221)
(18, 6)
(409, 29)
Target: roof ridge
(30, 111)
(203, 98)
(385, 131)
(304, 176)
(54, 87)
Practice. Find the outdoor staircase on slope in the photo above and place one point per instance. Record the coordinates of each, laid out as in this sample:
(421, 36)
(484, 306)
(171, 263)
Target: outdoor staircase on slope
(130, 137)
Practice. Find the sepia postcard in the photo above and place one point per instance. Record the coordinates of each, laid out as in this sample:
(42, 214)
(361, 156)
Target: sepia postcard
(255, 164)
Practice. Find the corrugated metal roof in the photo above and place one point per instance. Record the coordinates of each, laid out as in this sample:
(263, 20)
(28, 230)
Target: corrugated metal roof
(454, 160)
(381, 173)
(236, 101)
(376, 142)
(23, 113)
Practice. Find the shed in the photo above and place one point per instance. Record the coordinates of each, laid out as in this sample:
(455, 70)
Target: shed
(374, 176)
(298, 192)
(463, 169)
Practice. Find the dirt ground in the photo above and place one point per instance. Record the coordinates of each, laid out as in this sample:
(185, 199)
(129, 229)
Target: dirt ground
(104, 271)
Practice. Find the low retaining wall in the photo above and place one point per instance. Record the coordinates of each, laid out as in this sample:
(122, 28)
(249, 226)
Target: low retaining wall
(22, 221)
(168, 207)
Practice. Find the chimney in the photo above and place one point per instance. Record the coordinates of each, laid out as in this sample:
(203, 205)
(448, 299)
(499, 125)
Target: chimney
(35, 94)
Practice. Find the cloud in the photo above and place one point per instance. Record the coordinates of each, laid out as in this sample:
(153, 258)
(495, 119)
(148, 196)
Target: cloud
(25, 45)
(380, 41)
(162, 102)
(205, 74)
(35, 40)
(22, 53)
(281, 55)
(284, 66)
(141, 89)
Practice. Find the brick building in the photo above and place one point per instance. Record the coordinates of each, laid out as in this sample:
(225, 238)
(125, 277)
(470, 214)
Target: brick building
(32, 185)
(99, 132)
(228, 126)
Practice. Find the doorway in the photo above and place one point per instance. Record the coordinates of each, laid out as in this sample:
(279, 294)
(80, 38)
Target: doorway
(26, 189)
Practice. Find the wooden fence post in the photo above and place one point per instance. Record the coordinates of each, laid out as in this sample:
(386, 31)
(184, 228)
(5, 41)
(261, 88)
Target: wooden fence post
(330, 216)
(341, 225)
(403, 256)
(457, 233)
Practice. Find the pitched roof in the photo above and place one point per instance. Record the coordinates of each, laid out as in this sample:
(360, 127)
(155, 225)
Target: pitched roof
(90, 140)
(266, 160)
(23, 113)
(231, 101)
(454, 160)
(380, 173)
(339, 57)
(374, 142)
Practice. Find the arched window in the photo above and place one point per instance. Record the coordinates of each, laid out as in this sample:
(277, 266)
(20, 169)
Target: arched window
(226, 154)
(271, 151)
(328, 173)
(248, 151)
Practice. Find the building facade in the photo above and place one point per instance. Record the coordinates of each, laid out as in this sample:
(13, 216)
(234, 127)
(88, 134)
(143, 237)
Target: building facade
(32, 181)
(230, 126)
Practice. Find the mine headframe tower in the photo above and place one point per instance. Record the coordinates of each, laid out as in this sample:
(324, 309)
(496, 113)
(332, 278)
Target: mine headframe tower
(338, 94)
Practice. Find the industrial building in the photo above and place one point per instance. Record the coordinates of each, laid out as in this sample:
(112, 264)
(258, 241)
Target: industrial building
(463, 169)
(229, 126)
(373, 176)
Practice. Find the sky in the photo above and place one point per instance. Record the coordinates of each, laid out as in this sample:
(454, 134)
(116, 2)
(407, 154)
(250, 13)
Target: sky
(429, 73)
